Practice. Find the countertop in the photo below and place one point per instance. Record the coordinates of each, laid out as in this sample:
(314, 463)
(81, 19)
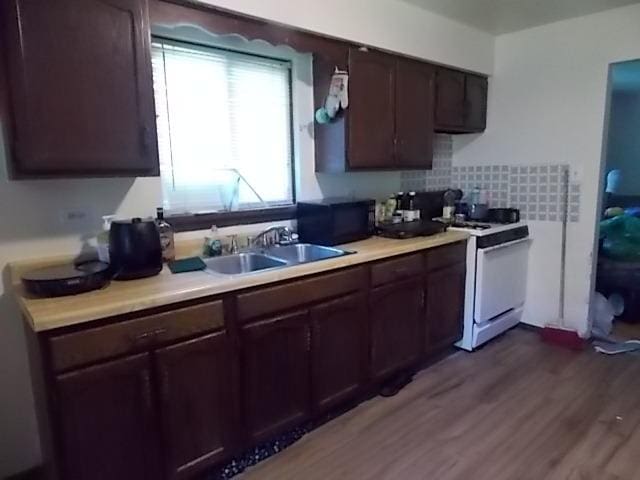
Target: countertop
(122, 297)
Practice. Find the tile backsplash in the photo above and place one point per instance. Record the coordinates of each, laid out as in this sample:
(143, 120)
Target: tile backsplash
(439, 177)
(494, 178)
(537, 190)
(534, 189)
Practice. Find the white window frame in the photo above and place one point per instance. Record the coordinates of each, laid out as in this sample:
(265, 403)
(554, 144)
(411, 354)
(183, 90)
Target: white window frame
(293, 183)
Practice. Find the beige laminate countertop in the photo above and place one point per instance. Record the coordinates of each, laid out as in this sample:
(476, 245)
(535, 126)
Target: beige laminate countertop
(122, 297)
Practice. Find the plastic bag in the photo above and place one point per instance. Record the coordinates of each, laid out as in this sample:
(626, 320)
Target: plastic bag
(603, 315)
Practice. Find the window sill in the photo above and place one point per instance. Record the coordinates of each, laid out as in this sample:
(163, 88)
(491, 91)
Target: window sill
(187, 223)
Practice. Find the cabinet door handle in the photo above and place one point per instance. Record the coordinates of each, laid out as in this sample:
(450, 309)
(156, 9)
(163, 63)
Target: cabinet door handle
(146, 389)
(145, 137)
(148, 336)
(466, 109)
(399, 272)
(164, 379)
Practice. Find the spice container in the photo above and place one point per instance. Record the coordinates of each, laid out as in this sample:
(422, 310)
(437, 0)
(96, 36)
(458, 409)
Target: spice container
(166, 236)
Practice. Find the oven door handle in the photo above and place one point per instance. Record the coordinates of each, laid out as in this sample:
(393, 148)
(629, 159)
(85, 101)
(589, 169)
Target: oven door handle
(505, 245)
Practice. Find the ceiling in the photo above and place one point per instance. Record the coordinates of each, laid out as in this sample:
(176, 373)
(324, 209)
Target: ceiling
(505, 16)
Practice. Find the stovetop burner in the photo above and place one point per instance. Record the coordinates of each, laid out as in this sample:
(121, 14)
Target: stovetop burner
(471, 225)
(480, 229)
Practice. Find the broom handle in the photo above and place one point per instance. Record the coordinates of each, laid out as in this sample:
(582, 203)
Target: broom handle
(563, 247)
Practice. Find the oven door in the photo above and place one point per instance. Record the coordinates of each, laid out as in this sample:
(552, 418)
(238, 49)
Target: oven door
(501, 279)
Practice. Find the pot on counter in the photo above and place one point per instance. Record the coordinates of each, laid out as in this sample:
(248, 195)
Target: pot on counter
(504, 215)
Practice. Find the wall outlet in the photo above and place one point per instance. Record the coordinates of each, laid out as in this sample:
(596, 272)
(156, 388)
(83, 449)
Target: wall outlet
(575, 174)
(77, 217)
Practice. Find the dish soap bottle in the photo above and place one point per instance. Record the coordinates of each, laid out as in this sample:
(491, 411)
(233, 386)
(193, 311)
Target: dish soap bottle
(212, 243)
(103, 238)
(166, 236)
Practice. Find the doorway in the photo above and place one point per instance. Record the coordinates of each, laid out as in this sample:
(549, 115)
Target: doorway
(618, 253)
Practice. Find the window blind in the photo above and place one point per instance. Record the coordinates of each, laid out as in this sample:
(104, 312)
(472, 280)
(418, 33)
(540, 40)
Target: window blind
(223, 117)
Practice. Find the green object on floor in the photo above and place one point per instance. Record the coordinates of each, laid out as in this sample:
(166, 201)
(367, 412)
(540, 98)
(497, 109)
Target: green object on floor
(191, 264)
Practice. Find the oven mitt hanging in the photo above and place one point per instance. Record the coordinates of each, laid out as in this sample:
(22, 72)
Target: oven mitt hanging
(337, 99)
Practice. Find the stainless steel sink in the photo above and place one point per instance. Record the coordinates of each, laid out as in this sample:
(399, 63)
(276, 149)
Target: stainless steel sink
(304, 253)
(273, 257)
(241, 263)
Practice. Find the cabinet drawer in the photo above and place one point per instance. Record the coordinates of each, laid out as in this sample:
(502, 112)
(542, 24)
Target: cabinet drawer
(397, 269)
(448, 255)
(95, 344)
(294, 294)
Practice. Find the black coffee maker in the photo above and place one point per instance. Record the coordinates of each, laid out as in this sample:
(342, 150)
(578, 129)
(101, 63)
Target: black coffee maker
(134, 249)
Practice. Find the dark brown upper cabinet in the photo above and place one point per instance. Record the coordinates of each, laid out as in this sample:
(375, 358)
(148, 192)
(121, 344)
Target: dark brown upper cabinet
(461, 102)
(414, 114)
(449, 99)
(476, 90)
(389, 122)
(371, 110)
(81, 88)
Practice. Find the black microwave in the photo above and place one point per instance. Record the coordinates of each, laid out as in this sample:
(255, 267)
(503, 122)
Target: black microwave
(334, 221)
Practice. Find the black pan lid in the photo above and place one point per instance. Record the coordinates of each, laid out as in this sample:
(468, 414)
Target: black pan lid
(66, 271)
(133, 221)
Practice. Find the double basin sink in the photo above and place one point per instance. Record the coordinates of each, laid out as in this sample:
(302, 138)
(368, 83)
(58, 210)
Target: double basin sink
(273, 257)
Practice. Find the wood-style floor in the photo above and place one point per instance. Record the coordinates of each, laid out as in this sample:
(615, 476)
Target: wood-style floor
(517, 409)
(626, 331)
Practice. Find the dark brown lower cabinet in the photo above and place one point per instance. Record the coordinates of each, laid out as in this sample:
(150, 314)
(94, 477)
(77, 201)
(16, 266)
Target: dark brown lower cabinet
(276, 374)
(397, 325)
(196, 392)
(339, 350)
(445, 306)
(108, 422)
(168, 395)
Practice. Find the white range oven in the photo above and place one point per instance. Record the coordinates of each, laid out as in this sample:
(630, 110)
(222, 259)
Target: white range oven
(496, 282)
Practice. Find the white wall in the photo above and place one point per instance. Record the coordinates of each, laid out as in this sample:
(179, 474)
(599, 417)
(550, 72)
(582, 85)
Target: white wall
(391, 24)
(29, 210)
(547, 105)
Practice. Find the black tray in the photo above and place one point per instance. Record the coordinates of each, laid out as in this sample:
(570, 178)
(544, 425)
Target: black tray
(419, 228)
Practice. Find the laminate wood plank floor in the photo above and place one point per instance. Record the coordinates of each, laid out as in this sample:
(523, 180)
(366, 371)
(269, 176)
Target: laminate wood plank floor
(516, 409)
(626, 331)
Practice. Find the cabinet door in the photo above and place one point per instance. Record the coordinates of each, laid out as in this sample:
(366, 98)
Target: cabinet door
(414, 114)
(107, 422)
(450, 98)
(396, 326)
(276, 374)
(445, 306)
(197, 393)
(371, 110)
(339, 350)
(476, 103)
(82, 90)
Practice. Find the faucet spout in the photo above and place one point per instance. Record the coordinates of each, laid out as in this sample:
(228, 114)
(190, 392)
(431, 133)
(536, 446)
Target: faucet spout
(275, 235)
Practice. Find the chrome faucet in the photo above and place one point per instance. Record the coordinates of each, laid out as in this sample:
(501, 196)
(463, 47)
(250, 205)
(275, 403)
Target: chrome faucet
(275, 235)
(232, 247)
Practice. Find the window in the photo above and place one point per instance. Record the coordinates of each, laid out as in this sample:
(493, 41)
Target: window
(224, 128)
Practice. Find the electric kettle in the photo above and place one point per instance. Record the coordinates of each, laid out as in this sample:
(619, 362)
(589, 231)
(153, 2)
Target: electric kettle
(134, 249)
